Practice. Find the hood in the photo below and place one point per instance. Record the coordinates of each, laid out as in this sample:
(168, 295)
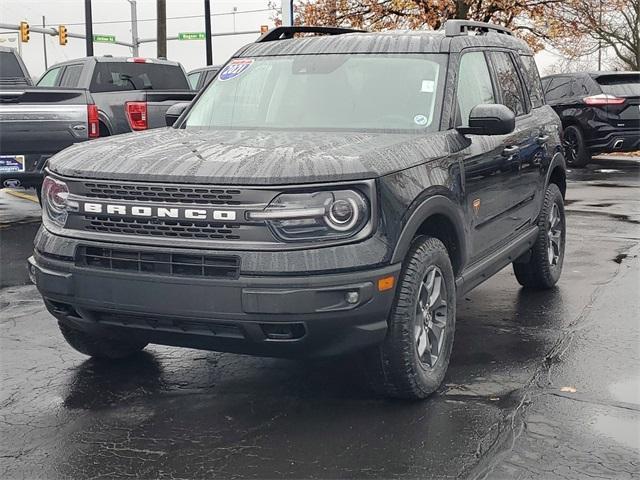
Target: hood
(246, 157)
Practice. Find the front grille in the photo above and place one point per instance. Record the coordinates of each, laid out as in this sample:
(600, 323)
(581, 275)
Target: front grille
(164, 263)
(163, 193)
(161, 228)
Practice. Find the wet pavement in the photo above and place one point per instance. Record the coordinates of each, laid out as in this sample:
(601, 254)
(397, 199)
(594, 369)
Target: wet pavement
(541, 384)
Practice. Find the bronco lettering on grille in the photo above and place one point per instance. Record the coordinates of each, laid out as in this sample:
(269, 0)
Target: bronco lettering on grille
(160, 212)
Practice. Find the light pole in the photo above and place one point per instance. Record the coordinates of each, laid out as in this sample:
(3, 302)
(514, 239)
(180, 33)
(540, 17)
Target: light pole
(287, 13)
(88, 27)
(207, 31)
(134, 28)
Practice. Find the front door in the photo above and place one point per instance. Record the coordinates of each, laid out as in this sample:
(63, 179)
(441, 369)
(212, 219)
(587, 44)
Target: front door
(494, 190)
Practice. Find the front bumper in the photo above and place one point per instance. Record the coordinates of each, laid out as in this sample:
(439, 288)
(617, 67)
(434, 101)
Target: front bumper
(284, 316)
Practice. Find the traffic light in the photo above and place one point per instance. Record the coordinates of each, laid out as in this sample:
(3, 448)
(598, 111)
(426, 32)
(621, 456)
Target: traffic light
(62, 34)
(24, 32)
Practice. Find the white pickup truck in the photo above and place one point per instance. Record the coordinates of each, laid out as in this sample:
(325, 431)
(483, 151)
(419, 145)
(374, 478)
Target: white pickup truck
(37, 122)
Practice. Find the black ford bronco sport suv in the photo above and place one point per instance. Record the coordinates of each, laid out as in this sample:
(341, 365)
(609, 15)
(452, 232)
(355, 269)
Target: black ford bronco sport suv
(324, 194)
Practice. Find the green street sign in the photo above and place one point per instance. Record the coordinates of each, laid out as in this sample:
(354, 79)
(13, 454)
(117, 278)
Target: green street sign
(104, 38)
(191, 36)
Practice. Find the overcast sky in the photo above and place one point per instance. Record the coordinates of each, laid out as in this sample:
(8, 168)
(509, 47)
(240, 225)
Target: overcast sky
(190, 53)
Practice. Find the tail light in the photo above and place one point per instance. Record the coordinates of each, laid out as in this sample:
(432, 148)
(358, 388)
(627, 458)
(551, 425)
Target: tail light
(139, 60)
(603, 99)
(92, 121)
(137, 115)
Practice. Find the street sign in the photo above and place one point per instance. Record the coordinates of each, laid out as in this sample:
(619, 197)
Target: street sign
(191, 36)
(104, 38)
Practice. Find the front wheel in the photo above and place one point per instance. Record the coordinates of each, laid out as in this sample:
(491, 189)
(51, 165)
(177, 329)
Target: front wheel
(543, 268)
(413, 359)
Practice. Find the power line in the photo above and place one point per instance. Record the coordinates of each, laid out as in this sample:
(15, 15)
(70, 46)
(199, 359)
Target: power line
(168, 18)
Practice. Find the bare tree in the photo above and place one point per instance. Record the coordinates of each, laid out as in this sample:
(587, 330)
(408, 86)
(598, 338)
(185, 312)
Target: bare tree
(580, 28)
(576, 27)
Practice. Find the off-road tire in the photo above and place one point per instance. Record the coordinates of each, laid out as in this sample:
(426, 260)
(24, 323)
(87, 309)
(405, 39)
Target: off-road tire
(99, 347)
(394, 368)
(581, 156)
(538, 272)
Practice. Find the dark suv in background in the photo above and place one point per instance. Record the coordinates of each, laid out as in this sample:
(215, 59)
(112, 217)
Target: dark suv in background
(323, 195)
(600, 112)
(200, 77)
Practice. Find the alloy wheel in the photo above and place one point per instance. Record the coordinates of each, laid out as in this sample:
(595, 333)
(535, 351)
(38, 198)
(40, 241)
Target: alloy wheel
(554, 234)
(431, 317)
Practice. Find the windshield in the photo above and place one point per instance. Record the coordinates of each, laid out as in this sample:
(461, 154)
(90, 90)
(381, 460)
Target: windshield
(329, 92)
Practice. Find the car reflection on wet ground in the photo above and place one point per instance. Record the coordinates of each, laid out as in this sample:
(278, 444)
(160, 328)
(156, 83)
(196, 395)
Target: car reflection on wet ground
(541, 384)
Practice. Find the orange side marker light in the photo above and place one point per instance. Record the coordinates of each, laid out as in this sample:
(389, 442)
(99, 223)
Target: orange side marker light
(385, 283)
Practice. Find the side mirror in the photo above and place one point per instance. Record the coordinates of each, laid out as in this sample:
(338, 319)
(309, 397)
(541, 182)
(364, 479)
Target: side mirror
(490, 119)
(174, 111)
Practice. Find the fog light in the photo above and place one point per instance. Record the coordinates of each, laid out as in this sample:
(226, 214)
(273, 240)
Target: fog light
(352, 297)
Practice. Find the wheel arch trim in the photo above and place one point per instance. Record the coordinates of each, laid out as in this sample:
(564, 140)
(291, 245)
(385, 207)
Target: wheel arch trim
(435, 205)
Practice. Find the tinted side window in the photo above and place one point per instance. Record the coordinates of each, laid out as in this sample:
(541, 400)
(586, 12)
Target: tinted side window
(119, 76)
(49, 78)
(210, 75)
(474, 85)
(9, 66)
(508, 82)
(532, 80)
(559, 88)
(193, 79)
(71, 76)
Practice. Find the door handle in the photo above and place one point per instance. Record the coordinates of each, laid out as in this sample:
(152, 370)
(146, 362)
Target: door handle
(510, 151)
(542, 139)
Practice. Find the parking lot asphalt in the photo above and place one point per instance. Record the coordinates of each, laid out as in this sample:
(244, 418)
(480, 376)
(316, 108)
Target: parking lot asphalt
(541, 384)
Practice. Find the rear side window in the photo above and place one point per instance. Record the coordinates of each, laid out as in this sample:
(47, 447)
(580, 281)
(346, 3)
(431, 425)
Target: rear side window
(193, 80)
(120, 76)
(210, 75)
(508, 82)
(9, 66)
(558, 88)
(532, 81)
(50, 78)
(71, 76)
(474, 85)
(620, 85)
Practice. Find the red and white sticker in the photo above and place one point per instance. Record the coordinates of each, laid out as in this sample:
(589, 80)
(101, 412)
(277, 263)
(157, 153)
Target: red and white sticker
(235, 68)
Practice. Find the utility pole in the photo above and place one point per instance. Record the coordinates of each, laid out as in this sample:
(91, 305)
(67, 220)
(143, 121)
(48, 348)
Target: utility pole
(44, 44)
(161, 12)
(207, 31)
(287, 13)
(88, 27)
(600, 39)
(134, 28)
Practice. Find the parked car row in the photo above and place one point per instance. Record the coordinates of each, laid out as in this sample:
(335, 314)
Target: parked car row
(96, 97)
(600, 112)
(79, 100)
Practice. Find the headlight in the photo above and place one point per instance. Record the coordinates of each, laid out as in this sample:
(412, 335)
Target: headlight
(55, 200)
(325, 215)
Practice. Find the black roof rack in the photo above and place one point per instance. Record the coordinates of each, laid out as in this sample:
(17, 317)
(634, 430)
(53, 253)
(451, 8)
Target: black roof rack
(454, 28)
(280, 33)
